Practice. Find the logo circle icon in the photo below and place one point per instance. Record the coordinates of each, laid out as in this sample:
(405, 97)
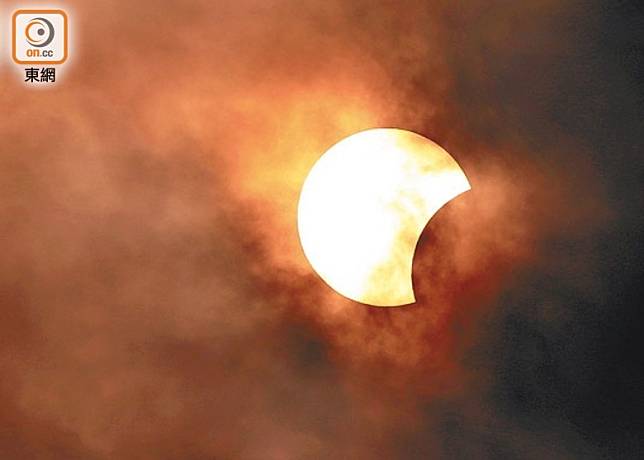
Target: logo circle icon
(39, 32)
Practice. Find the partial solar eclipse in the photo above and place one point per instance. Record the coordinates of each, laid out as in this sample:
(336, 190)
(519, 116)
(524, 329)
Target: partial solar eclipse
(364, 206)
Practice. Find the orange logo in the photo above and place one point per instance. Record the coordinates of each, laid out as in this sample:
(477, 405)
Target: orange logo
(40, 37)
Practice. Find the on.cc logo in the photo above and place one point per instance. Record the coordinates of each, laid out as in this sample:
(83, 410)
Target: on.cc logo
(40, 37)
(40, 32)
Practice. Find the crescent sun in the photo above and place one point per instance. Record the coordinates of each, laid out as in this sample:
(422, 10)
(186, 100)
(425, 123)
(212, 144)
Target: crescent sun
(364, 205)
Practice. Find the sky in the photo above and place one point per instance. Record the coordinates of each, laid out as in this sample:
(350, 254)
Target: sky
(155, 302)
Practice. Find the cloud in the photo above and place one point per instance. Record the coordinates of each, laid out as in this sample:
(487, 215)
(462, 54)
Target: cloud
(156, 303)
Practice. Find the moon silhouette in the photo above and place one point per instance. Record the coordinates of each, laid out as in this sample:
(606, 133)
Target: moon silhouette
(364, 205)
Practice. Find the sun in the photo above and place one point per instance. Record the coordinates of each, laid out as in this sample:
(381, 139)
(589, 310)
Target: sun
(364, 206)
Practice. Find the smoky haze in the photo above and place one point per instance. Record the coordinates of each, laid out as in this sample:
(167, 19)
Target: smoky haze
(155, 302)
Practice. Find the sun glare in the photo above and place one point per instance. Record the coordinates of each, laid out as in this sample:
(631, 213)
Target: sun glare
(364, 206)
